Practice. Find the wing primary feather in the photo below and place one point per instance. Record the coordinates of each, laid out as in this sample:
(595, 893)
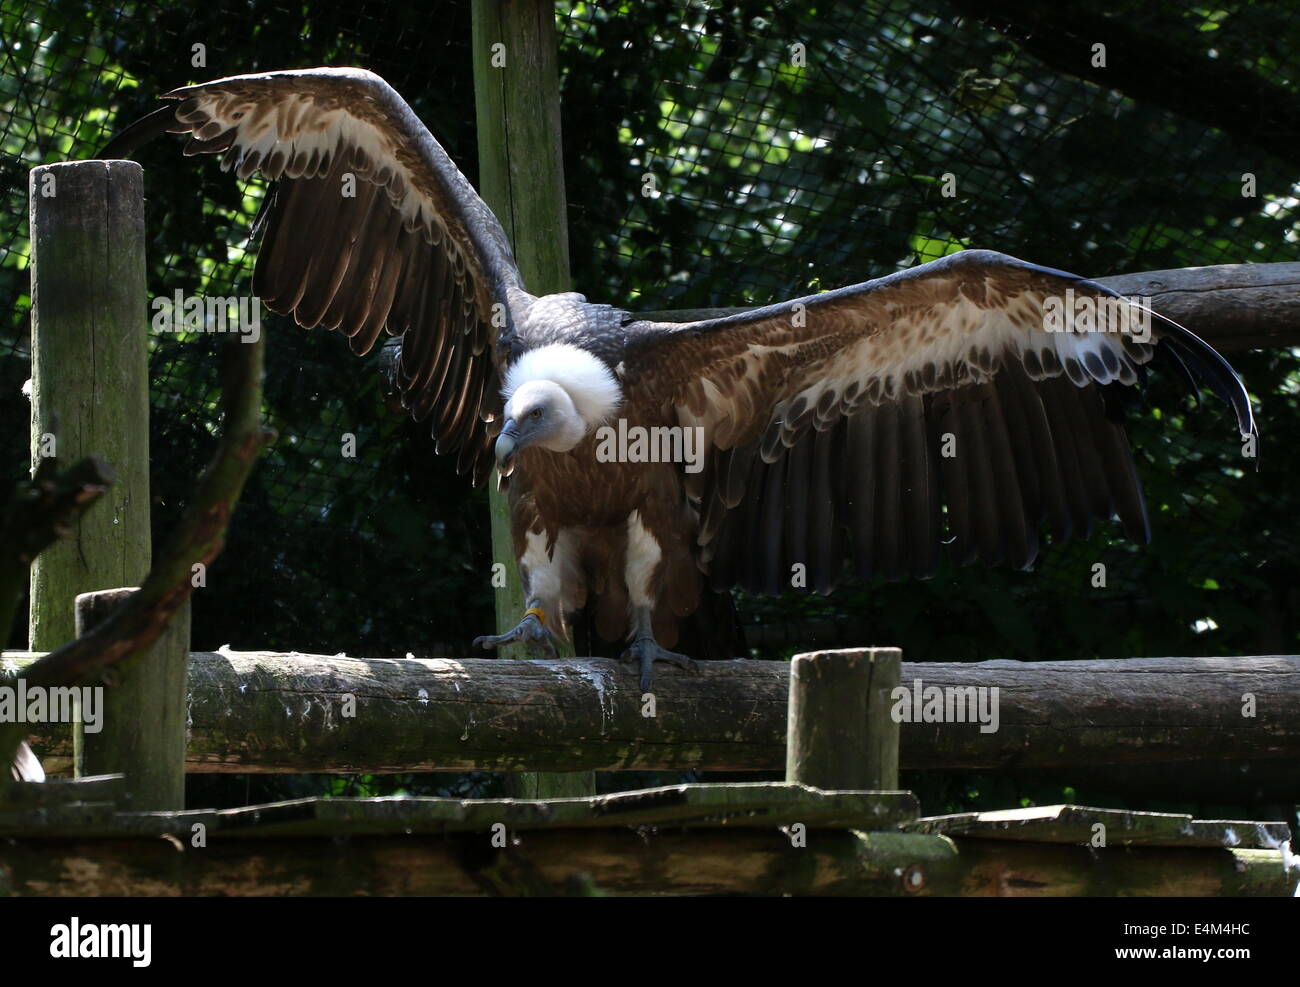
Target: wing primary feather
(141, 132)
(823, 525)
(1020, 435)
(333, 252)
(888, 507)
(796, 502)
(921, 505)
(954, 471)
(1120, 469)
(973, 444)
(1063, 443)
(292, 210)
(746, 517)
(1056, 502)
(393, 264)
(771, 531)
(1212, 369)
(365, 267)
(735, 473)
(1085, 447)
(861, 493)
(1020, 533)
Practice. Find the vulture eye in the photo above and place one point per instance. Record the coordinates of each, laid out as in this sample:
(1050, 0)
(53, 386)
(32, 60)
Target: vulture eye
(535, 413)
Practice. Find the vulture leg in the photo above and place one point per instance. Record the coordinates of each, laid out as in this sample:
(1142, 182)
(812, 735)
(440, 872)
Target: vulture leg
(645, 651)
(531, 632)
(642, 574)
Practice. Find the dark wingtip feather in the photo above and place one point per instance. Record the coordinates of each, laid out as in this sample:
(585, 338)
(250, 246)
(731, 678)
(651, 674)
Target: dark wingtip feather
(1197, 359)
(135, 136)
(1207, 367)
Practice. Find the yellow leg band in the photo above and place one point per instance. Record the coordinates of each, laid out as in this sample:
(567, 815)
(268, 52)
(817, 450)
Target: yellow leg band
(536, 612)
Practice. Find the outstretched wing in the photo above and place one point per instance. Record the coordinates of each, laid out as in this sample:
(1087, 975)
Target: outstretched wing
(855, 417)
(370, 227)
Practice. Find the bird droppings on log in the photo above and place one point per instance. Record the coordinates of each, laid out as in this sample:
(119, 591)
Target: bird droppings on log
(1075, 824)
(1107, 716)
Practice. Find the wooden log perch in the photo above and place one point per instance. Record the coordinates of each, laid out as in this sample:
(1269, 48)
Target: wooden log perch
(1233, 306)
(275, 712)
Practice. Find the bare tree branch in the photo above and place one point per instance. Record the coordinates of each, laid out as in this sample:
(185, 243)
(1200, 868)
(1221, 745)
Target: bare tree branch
(131, 630)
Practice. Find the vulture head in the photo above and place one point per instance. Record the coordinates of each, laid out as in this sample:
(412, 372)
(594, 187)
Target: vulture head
(554, 395)
(539, 413)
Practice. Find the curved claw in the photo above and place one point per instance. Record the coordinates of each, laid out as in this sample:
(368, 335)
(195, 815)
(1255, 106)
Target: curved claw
(540, 641)
(645, 651)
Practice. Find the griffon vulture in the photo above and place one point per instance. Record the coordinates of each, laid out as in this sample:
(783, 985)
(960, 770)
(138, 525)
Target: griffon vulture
(949, 404)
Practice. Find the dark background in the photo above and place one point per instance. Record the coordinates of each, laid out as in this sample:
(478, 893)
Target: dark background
(774, 180)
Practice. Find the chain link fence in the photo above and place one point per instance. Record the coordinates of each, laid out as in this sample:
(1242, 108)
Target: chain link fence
(715, 154)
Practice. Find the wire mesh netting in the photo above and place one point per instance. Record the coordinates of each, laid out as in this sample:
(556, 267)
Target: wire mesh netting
(715, 154)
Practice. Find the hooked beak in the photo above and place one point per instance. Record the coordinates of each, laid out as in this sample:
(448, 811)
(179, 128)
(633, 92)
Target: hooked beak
(507, 444)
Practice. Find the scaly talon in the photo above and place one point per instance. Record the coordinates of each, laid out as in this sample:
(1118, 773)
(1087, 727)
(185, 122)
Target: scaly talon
(539, 640)
(646, 652)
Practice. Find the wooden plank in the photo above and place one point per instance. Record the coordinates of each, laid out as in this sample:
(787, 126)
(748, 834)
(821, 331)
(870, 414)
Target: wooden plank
(1238, 834)
(631, 860)
(744, 805)
(64, 791)
(450, 715)
(90, 375)
(1018, 869)
(1075, 824)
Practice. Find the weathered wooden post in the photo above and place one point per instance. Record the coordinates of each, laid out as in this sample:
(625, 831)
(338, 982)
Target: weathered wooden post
(840, 733)
(142, 721)
(90, 375)
(521, 177)
(90, 396)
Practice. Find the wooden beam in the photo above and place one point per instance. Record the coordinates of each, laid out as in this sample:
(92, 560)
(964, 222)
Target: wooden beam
(521, 177)
(274, 712)
(627, 860)
(141, 732)
(736, 806)
(1233, 306)
(1081, 825)
(90, 374)
(840, 733)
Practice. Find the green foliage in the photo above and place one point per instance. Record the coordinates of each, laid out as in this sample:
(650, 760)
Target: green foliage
(774, 175)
